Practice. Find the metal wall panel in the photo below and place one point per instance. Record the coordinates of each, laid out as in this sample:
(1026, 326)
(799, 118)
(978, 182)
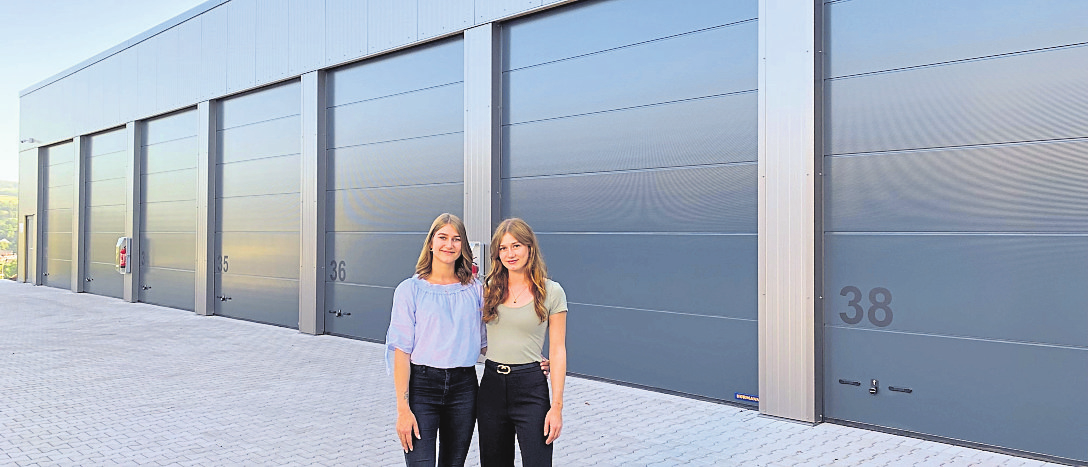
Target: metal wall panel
(146, 84)
(487, 10)
(188, 60)
(168, 192)
(273, 39)
(56, 237)
(875, 35)
(1023, 97)
(438, 17)
(345, 30)
(258, 166)
(390, 23)
(378, 206)
(630, 179)
(241, 44)
(30, 214)
(653, 72)
(306, 43)
(954, 201)
(128, 84)
(213, 53)
(166, 73)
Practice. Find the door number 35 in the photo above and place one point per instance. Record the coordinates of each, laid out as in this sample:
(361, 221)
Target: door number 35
(879, 299)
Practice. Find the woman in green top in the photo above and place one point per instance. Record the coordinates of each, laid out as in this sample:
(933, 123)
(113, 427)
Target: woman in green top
(520, 305)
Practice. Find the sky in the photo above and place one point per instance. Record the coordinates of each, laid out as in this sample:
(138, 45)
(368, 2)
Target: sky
(40, 38)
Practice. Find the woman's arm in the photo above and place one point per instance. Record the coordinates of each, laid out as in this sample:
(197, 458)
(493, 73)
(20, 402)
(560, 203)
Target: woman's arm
(406, 420)
(557, 349)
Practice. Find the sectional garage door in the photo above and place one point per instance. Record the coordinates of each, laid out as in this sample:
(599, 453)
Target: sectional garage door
(107, 185)
(957, 221)
(258, 206)
(168, 223)
(395, 161)
(59, 178)
(629, 144)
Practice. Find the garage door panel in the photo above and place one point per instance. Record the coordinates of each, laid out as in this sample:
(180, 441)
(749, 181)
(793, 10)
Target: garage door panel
(171, 155)
(425, 112)
(170, 127)
(58, 220)
(418, 68)
(108, 166)
(259, 140)
(700, 199)
(712, 275)
(262, 213)
(102, 246)
(169, 250)
(261, 299)
(1007, 99)
(105, 280)
(107, 192)
(703, 131)
(170, 216)
(651, 73)
(657, 349)
(268, 254)
(425, 160)
(262, 105)
(60, 197)
(59, 273)
(370, 308)
(375, 259)
(178, 185)
(58, 245)
(114, 141)
(60, 174)
(1016, 288)
(106, 219)
(399, 209)
(274, 175)
(1039, 187)
(563, 33)
(881, 35)
(1019, 396)
(168, 287)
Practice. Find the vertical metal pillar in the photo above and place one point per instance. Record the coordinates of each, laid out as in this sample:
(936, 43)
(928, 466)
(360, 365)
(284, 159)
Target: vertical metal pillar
(311, 283)
(133, 208)
(39, 217)
(79, 212)
(790, 237)
(205, 208)
(483, 93)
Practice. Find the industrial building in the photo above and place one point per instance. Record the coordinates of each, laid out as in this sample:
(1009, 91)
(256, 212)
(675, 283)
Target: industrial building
(868, 212)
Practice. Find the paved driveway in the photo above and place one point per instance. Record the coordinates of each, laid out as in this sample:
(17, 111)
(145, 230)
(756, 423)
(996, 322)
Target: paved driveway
(88, 380)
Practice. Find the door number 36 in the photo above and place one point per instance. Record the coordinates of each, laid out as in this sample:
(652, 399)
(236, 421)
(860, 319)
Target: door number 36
(879, 299)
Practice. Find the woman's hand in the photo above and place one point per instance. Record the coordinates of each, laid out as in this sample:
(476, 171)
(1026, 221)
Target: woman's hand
(553, 423)
(406, 425)
(545, 366)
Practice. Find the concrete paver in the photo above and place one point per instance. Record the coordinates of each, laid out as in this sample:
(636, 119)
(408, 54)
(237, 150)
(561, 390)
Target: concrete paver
(89, 380)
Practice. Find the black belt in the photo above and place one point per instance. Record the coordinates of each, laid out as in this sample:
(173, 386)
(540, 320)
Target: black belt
(507, 369)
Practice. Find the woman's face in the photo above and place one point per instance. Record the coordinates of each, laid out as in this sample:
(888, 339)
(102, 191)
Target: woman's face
(446, 245)
(513, 254)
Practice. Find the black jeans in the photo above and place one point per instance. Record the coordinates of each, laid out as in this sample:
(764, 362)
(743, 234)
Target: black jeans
(444, 403)
(509, 405)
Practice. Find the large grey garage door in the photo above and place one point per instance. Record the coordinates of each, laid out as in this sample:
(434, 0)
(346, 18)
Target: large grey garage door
(957, 221)
(168, 223)
(107, 182)
(258, 206)
(59, 166)
(396, 160)
(629, 144)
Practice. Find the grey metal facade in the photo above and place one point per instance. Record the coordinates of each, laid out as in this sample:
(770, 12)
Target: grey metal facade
(741, 198)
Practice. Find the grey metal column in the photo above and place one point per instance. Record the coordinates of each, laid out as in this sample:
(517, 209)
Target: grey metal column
(311, 283)
(482, 135)
(790, 373)
(132, 209)
(205, 208)
(39, 218)
(79, 213)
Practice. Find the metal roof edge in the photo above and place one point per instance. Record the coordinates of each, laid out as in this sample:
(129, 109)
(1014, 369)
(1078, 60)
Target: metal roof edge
(190, 14)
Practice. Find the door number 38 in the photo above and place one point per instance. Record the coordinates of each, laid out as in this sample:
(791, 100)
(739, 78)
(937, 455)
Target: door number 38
(879, 299)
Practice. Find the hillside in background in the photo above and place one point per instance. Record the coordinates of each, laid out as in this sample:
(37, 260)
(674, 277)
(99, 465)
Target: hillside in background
(9, 212)
(9, 188)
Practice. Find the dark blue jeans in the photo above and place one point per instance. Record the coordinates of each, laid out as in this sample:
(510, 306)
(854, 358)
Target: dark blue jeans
(509, 405)
(444, 403)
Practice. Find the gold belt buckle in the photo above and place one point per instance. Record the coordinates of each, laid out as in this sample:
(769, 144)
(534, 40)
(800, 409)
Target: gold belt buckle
(503, 370)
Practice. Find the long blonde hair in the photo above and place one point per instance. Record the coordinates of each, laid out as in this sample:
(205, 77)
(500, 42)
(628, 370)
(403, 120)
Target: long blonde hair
(497, 283)
(463, 266)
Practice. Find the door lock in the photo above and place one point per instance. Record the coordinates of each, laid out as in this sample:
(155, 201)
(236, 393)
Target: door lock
(89, 279)
(146, 287)
(874, 386)
(339, 313)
